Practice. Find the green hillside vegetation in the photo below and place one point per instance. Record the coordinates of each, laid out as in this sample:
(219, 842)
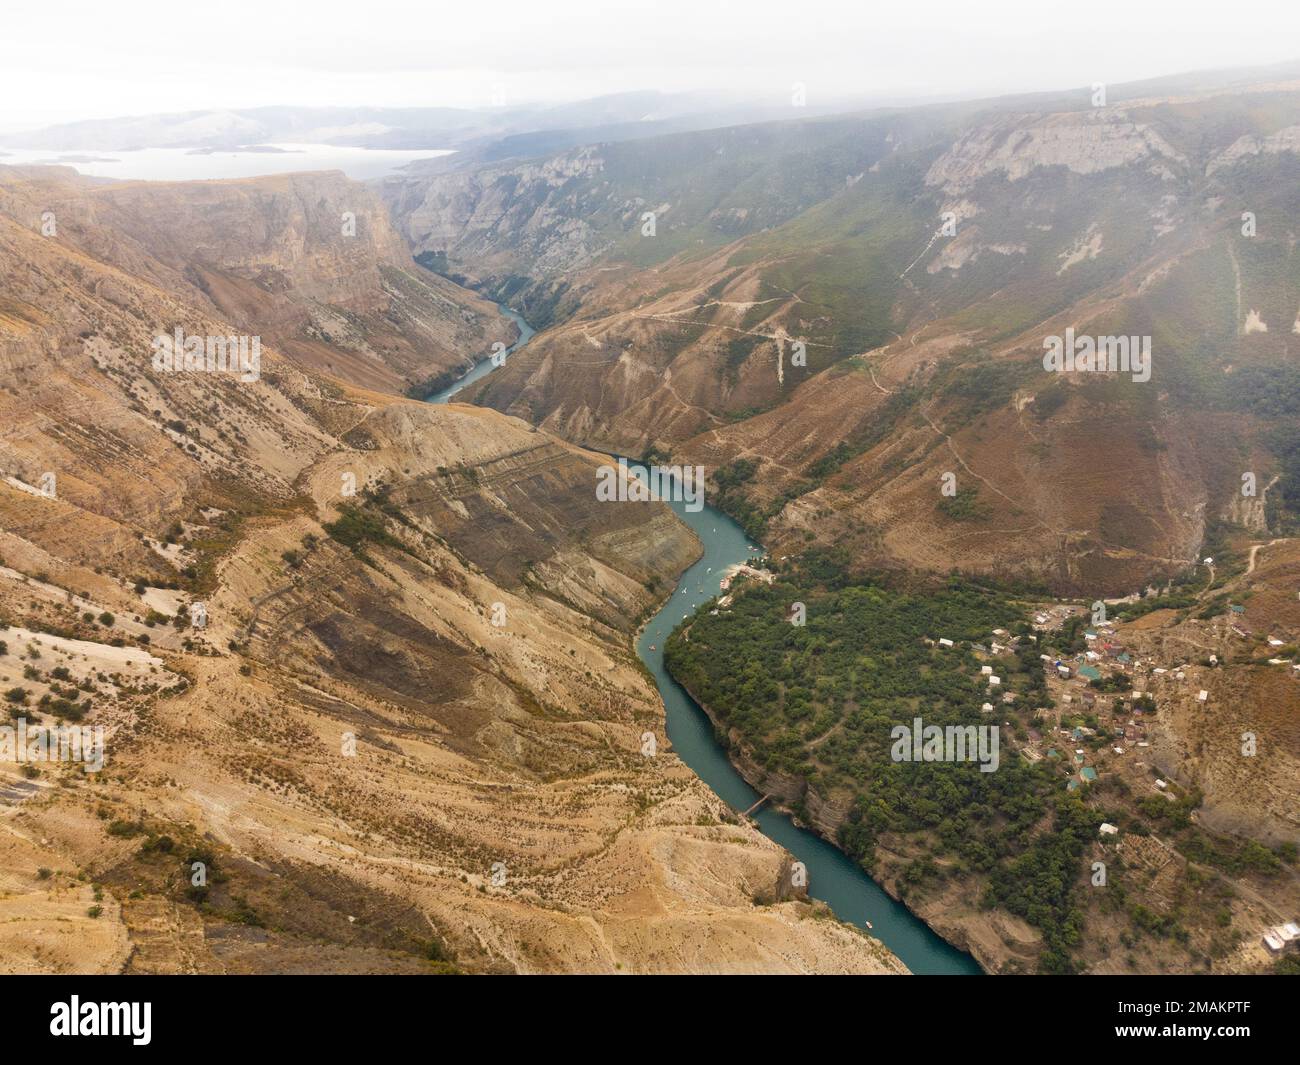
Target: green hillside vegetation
(818, 702)
(723, 184)
(842, 259)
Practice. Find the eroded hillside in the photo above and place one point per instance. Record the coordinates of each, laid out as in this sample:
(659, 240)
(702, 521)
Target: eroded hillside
(308, 261)
(833, 315)
(363, 664)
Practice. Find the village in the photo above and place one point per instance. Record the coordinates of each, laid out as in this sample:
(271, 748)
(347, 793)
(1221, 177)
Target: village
(1101, 714)
(1087, 690)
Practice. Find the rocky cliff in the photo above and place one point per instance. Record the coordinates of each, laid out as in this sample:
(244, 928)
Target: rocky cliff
(308, 261)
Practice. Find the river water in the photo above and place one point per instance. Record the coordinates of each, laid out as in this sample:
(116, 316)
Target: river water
(832, 876)
(484, 367)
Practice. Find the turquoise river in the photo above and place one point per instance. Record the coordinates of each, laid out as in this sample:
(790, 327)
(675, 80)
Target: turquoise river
(832, 876)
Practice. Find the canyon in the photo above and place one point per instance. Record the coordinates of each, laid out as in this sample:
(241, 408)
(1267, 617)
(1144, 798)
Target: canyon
(374, 775)
(409, 731)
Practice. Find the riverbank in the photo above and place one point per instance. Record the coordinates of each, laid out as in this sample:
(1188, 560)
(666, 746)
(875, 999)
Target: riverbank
(832, 877)
(955, 915)
(485, 365)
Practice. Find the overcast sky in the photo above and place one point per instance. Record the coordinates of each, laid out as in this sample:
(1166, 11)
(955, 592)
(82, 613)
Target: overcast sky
(62, 61)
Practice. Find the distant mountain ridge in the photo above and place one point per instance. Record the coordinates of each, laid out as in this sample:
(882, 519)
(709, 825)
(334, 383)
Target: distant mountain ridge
(619, 116)
(920, 256)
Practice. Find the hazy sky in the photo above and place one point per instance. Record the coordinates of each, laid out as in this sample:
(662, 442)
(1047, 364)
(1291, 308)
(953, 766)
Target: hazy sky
(61, 61)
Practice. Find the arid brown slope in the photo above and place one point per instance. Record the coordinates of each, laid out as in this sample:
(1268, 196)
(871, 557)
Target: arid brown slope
(1252, 691)
(308, 261)
(231, 744)
(922, 345)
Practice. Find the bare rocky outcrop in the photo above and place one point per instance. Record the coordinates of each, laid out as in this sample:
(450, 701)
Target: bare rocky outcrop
(464, 214)
(1245, 147)
(1083, 143)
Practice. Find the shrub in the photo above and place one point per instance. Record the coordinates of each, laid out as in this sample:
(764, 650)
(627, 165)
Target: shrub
(356, 527)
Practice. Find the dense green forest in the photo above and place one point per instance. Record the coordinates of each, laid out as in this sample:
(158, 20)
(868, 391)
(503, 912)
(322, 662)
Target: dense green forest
(818, 701)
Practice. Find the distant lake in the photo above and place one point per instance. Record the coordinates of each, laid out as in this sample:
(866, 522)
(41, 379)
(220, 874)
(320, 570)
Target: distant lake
(188, 164)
